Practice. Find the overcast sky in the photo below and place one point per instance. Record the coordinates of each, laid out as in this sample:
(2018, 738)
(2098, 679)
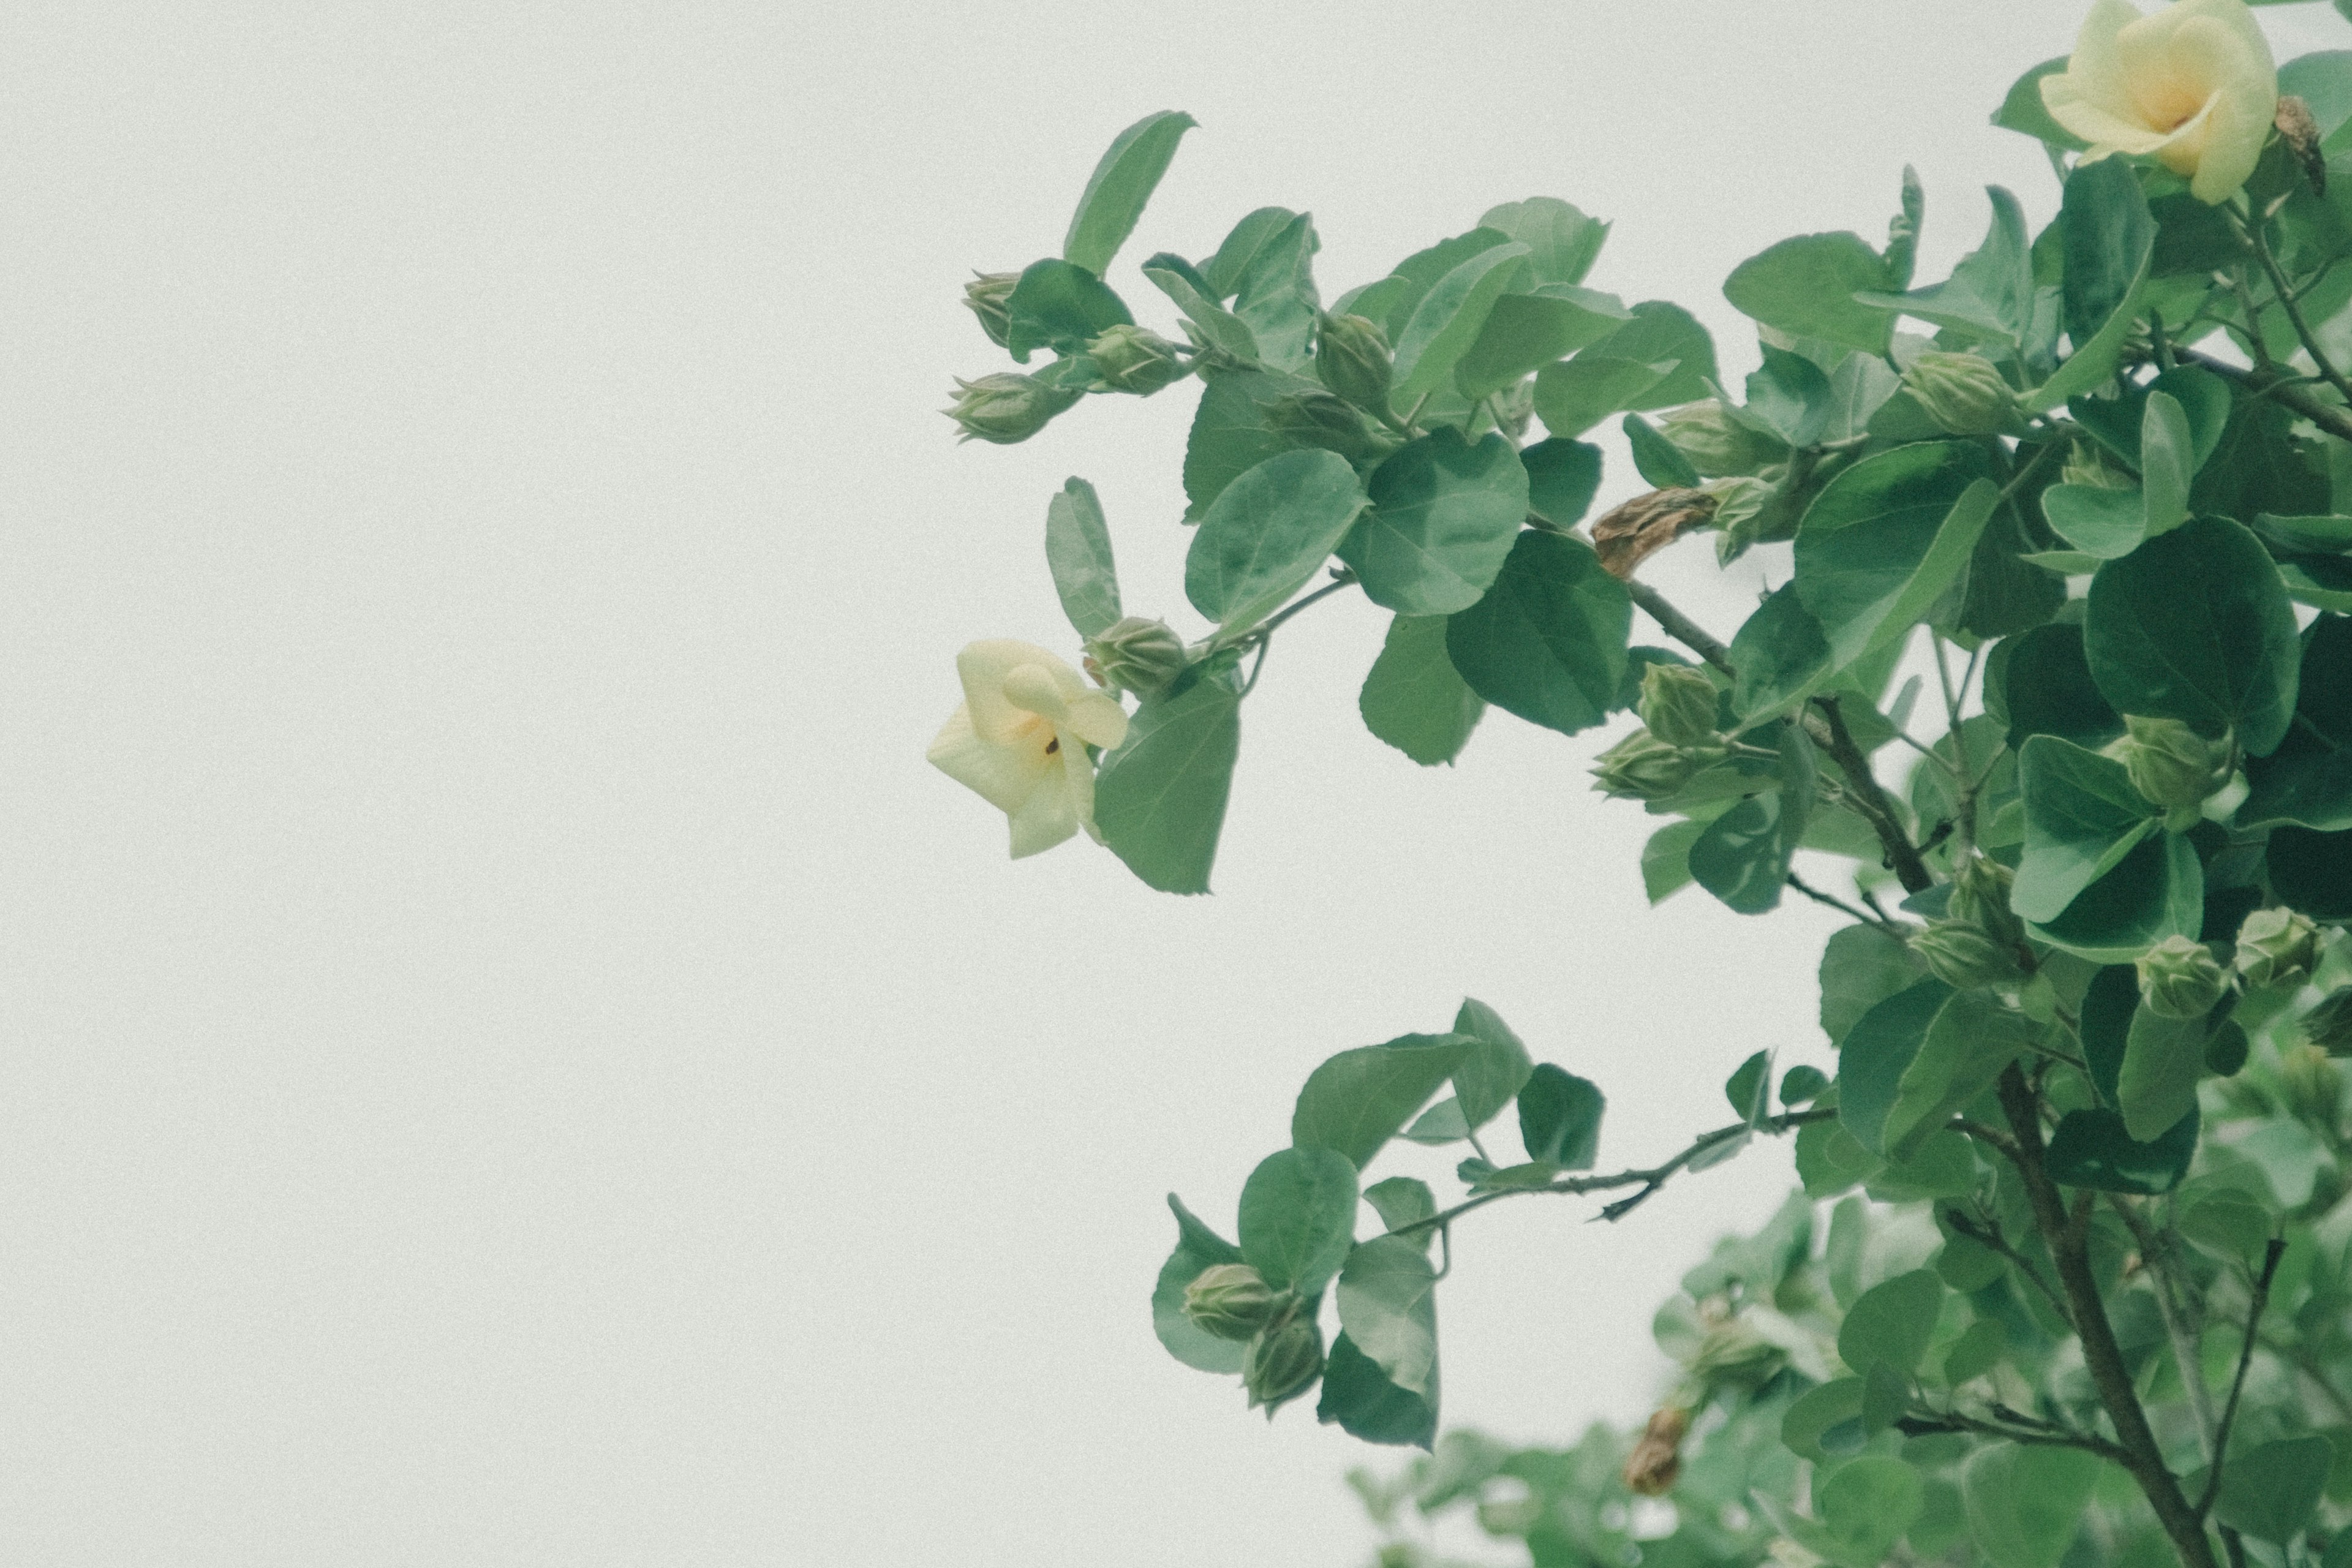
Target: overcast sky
(510, 1055)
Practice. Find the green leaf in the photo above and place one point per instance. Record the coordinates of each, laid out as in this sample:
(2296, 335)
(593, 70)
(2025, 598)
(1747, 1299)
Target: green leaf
(1060, 306)
(1886, 538)
(2094, 1149)
(1388, 1306)
(1662, 333)
(1861, 968)
(2103, 524)
(1903, 230)
(2196, 625)
(2156, 890)
(2168, 463)
(1867, 1503)
(1448, 319)
(2022, 110)
(1122, 182)
(2270, 1491)
(1743, 856)
(2081, 818)
(1524, 332)
(1275, 296)
(1392, 301)
(2308, 779)
(1160, 798)
(1366, 1406)
(1267, 534)
(1981, 1346)
(1359, 1100)
(1561, 241)
(1547, 642)
(2049, 690)
(1492, 1070)
(1078, 551)
(2025, 1506)
(1789, 395)
(1658, 460)
(1748, 1086)
(1197, 1247)
(2108, 238)
(1891, 1323)
(1224, 269)
(2163, 1059)
(2312, 872)
(1806, 287)
(1575, 394)
(1911, 1061)
(1299, 1217)
(1782, 654)
(1878, 1049)
(1989, 295)
(1229, 435)
(1665, 858)
(1401, 1201)
(1562, 477)
(1414, 699)
(1219, 327)
(1808, 1424)
(1444, 514)
(1560, 1118)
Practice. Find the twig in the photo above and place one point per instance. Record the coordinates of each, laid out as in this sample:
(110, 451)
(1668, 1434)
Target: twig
(1991, 1236)
(1868, 800)
(2336, 422)
(2285, 292)
(2042, 1433)
(2158, 1254)
(1834, 901)
(1677, 626)
(2262, 1298)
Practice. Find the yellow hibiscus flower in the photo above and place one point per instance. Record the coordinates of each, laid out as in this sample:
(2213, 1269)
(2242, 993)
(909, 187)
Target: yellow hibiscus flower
(2193, 86)
(1018, 740)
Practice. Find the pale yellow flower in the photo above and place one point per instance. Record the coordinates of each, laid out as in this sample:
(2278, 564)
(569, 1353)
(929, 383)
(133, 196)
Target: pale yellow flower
(2193, 86)
(1019, 739)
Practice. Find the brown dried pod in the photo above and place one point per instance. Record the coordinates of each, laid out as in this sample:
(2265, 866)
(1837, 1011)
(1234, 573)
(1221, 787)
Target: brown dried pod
(1638, 529)
(1657, 1459)
(2300, 133)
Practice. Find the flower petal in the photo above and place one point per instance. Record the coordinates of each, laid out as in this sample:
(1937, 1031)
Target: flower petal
(1004, 776)
(1048, 815)
(2094, 77)
(1095, 716)
(983, 666)
(1032, 687)
(1078, 770)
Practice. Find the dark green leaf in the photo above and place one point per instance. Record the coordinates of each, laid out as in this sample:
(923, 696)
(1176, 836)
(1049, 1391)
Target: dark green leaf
(1886, 538)
(1789, 395)
(1160, 798)
(1801, 1085)
(1547, 642)
(2081, 818)
(2163, 1059)
(2022, 110)
(1562, 477)
(1366, 1406)
(1989, 295)
(1060, 306)
(1805, 286)
(1267, 534)
(2271, 1490)
(1573, 396)
(1219, 327)
(1493, 1070)
(1275, 297)
(2308, 779)
(1392, 301)
(1122, 182)
(1442, 518)
(1747, 1087)
(1660, 333)
(2196, 625)
(1414, 699)
(1658, 460)
(2108, 238)
(2025, 1506)
(1449, 319)
(1359, 1100)
(1861, 968)
(1890, 1324)
(1388, 1306)
(2049, 690)
(1808, 1422)
(1197, 1247)
(1229, 435)
(1224, 269)
(2094, 1149)
(1743, 856)
(1560, 1118)
(1878, 1049)
(1665, 858)
(2156, 890)
(1078, 551)
(1526, 331)
(1299, 1217)
(1561, 241)
(1402, 1200)
(2313, 871)
(1782, 654)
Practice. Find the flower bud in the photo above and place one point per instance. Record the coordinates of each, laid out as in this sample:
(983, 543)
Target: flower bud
(1351, 355)
(2180, 978)
(1962, 393)
(1743, 512)
(1135, 655)
(2276, 946)
(2313, 1088)
(1961, 955)
(2171, 765)
(986, 297)
(1005, 408)
(1315, 418)
(1716, 444)
(1980, 897)
(1134, 359)
(2330, 1024)
(1231, 1300)
(1732, 1351)
(1678, 704)
(1643, 767)
(1657, 1459)
(1280, 1362)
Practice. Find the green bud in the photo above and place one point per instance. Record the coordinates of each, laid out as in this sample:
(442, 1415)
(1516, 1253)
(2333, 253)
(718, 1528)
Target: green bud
(1744, 513)
(986, 297)
(1282, 1361)
(2313, 1088)
(2173, 766)
(2330, 1024)
(1734, 1352)
(1980, 897)
(2275, 946)
(1963, 392)
(1643, 767)
(1960, 954)
(1351, 355)
(1715, 443)
(1134, 359)
(2180, 978)
(1005, 408)
(1315, 418)
(1231, 1300)
(1678, 704)
(1135, 655)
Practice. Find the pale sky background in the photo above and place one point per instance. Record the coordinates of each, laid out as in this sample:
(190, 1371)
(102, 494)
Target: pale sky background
(510, 1057)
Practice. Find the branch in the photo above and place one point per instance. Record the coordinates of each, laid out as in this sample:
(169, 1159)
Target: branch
(2271, 1256)
(2041, 1434)
(1991, 1236)
(1868, 799)
(2285, 292)
(1833, 901)
(2155, 1251)
(1649, 1179)
(2336, 422)
(1677, 626)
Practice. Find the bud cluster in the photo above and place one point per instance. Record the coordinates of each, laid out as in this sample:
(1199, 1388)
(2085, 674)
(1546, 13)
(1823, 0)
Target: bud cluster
(1134, 359)
(2173, 766)
(2180, 978)
(1005, 408)
(2277, 947)
(1352, 356)
(1718, 445)
(1284, 1351)
(1963, 392)
(989, 296)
